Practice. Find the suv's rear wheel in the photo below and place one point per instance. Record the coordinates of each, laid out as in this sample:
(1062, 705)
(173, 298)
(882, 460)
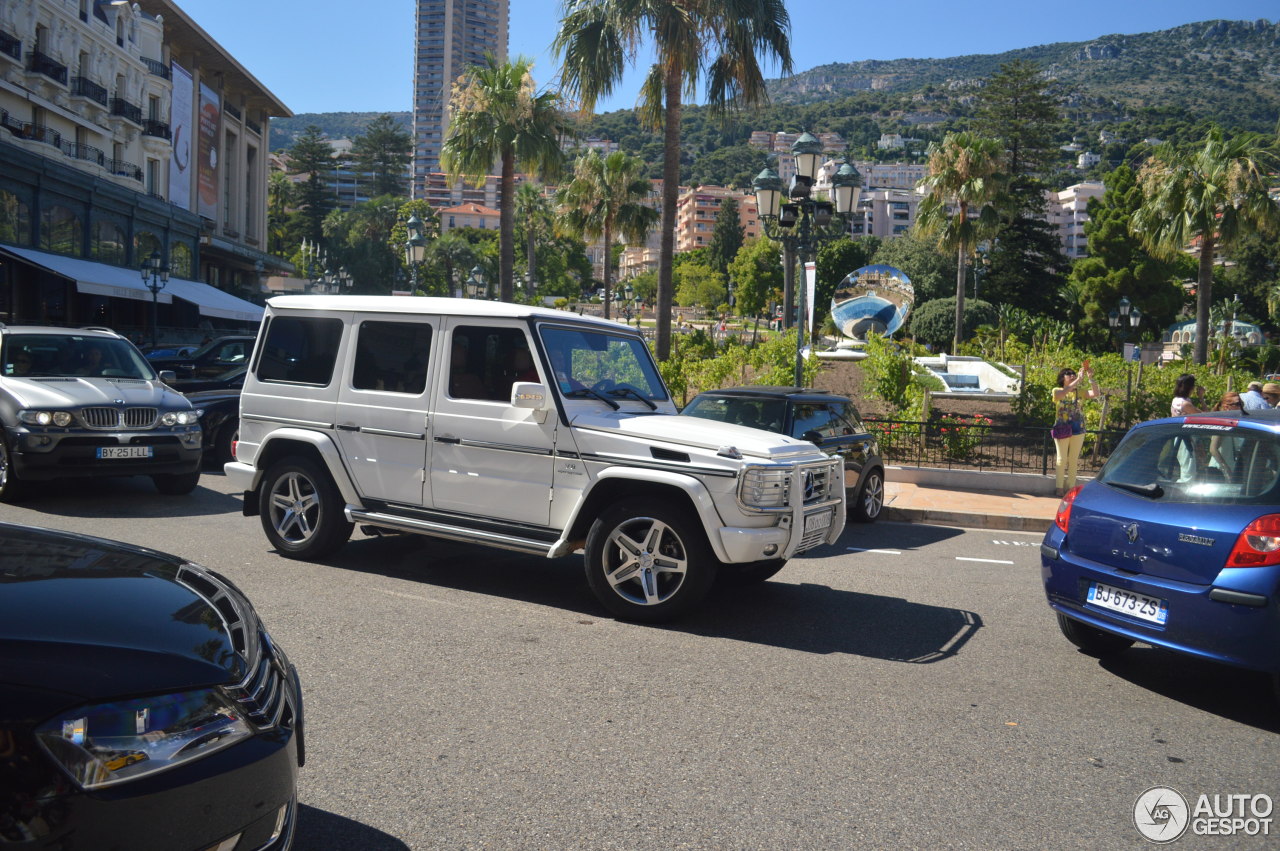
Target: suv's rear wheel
(646, 562)
(869, 502)
(10, 487)
(1091, 640)
(302, 510)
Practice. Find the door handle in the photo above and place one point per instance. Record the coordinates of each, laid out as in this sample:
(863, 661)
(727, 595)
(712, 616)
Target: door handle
(454, 440)
(347, 427)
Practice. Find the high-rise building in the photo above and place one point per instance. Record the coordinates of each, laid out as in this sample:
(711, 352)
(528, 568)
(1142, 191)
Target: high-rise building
(451, 36)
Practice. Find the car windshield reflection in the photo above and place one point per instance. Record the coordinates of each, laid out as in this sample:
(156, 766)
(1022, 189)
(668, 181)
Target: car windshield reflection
(71, 355)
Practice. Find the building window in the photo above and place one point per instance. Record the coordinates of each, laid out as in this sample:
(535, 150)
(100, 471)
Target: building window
(146, 243)
(15, 220)
(107, 243)
(180, 260)
(61, 231)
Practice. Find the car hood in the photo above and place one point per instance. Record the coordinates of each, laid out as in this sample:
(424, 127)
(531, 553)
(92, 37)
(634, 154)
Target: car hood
(97, 621)
(694, 432)
(200, 398)
(72, 391)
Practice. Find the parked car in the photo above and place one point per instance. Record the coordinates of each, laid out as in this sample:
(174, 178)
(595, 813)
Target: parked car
(830, 421)
(213, 358)
(77, 403)
(1176, 543)
(220, 421)
(142, 702)
(232, 379)
(153, 353)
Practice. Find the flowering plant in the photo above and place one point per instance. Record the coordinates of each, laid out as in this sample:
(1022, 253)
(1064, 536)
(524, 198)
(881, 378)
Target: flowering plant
(961, 435)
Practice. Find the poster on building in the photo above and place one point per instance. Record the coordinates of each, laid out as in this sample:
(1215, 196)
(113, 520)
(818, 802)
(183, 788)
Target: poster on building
(180, 118)
(207, 153)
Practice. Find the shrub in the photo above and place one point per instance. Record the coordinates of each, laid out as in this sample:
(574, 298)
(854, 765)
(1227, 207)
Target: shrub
(934, 321)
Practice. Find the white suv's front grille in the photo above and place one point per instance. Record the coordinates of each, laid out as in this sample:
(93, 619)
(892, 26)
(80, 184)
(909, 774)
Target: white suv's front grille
(771, 488)
(117, 418)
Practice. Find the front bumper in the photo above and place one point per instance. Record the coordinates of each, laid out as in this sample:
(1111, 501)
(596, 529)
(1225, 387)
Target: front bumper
(72, 453)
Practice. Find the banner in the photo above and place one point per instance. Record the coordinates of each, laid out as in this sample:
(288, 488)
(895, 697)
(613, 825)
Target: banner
(180, 119)
(207, 153)
(810, 293)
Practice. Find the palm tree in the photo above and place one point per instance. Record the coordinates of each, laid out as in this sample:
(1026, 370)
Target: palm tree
(1213, 196)
(599, 38)
(964, 172)
(535, 221)
(605, 199)
(497, 115)
(453, 253)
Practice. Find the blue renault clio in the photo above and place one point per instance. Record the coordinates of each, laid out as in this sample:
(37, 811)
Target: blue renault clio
(1176, 543)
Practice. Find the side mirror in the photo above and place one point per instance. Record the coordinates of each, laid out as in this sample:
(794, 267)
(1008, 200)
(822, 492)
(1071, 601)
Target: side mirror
(813, 437)
(168, 376)
(530, 395)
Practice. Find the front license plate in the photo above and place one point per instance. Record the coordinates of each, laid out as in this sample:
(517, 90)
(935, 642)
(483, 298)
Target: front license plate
(814, 522)
(124, 451)
(1129, 603)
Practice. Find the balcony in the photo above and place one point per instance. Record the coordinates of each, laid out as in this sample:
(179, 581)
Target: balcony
(88, 153)
(158, 129)
(86, 88)
(156, 67)
(42, 64)
(10, 46)
(232, 111)
(126, 110)
(120, 168)
(254, 126)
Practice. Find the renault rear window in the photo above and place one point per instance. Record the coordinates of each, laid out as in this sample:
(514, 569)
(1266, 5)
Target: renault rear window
(1197, 463)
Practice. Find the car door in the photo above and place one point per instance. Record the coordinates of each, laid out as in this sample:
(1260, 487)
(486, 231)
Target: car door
(840, 434)
(382, 419)
(489, 460)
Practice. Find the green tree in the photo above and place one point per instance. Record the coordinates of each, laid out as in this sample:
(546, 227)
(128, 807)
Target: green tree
(454, 255)
(836, 259)
(756, 273)
(964, 171)
(726, 237)
(732, 166)
(1021, 107)
(399, 238)
(535, 224)
(932, 274)
(496, 114)
(382, 152)
(280, 197)
(933, 322)
(699, 285)
(606, 199)
(599, 38)
(1213, 196)
(360, 242)
(312, 155)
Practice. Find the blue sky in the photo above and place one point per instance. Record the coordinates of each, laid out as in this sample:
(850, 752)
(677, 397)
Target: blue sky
(330, 56)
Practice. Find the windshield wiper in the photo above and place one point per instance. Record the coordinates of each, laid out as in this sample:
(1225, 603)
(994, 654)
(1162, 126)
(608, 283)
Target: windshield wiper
(1151, 491)
(632, 393)
(580, 392)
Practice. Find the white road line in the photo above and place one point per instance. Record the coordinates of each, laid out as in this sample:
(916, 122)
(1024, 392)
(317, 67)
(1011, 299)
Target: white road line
(984, 560)
(882, 552)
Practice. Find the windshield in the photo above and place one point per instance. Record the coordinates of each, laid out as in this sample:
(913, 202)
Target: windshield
(66, 355)
(759, 413)
(617, 366)
(1197, 463)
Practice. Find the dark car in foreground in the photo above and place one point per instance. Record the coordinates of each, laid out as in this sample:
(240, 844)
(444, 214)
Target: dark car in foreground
(830, 421)
(1176, 543)
(143, 705)
(213, 358)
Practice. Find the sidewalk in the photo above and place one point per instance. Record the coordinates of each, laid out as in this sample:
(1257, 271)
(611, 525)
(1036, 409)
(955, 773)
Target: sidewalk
(970, 508)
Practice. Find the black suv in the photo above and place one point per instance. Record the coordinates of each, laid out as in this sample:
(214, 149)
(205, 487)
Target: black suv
(213, 358)
(830, 421)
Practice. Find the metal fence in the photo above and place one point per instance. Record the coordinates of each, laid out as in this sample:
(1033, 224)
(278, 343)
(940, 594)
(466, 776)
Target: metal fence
(951, 444)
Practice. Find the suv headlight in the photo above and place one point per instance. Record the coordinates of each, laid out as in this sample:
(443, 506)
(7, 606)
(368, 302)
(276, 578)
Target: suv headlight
(172, 418)
(116, 742)
(45, 418)
(765, 487)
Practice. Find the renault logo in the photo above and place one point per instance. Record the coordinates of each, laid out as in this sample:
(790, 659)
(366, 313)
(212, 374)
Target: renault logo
(1131, 532)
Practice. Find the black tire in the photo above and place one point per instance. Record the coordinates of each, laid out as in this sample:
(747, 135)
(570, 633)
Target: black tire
(751, 573)
(177, 484)
(647, 562)
(11, 490)
(869, 501)
(302, 510)
(228, 434)
(1092, 641)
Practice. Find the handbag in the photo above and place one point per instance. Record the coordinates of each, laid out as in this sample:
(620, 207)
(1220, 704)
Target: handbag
(1060, 430)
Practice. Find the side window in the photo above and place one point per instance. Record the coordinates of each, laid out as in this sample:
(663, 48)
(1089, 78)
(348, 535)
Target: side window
(392, 356)
(299, 350)
(484, 362)
(816, 417)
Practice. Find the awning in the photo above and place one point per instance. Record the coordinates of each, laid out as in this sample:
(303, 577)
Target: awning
(91, 277)
(214, 302)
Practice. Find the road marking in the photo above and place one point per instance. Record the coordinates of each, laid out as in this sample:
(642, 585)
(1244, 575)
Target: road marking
(1017, 543)
(882, 552)
(984, 560)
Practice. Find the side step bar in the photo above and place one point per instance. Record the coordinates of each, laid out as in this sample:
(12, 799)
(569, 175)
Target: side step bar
(451, 533)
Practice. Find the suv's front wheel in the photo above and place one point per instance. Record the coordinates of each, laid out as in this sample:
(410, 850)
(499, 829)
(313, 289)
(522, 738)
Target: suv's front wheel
(302, 510)
(646, 562)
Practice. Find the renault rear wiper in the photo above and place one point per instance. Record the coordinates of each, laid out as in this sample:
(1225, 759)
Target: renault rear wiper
(1151, 491)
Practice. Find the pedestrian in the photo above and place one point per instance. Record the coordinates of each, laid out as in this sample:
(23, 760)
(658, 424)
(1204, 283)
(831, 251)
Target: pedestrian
(1223, 452)
(1252, 398)
(1183, 390)
(1068, 425)
(1271, 393)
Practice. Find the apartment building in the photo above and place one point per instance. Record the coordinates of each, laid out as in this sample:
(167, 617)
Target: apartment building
(1067, 211)
(696, 213)
(451, 36)
(126, 131)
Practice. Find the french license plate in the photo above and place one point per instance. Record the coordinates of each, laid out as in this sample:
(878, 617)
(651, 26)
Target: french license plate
(1129, 603)
(814, 522)
(124, 451)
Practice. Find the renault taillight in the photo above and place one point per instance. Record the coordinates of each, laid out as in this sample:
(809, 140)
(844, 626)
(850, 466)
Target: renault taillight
(1063, 518)
(1258, 545)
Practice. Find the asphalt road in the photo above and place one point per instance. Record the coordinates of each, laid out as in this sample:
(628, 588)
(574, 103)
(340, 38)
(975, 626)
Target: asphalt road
(905, 689)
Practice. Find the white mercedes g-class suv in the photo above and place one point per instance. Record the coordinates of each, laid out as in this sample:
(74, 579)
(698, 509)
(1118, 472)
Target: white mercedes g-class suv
(516, 427)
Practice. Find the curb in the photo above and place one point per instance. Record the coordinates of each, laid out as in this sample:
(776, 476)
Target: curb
(968, 519)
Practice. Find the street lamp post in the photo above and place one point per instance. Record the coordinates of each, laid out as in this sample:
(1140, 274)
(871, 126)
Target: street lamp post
(476, 283)
(415, 249)
(1126, 312)
(155, 276)
(800, 223)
